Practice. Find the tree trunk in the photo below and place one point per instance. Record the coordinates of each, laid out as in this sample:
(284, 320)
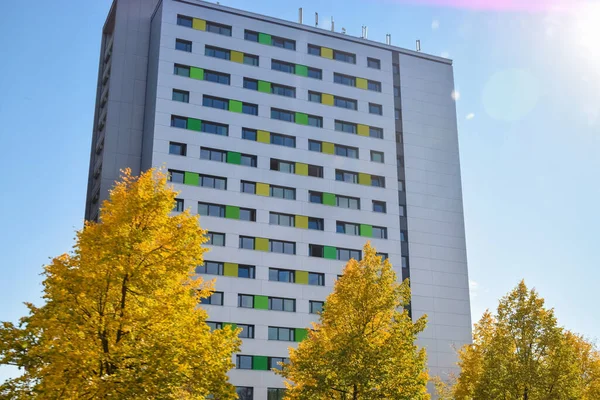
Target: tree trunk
(355, 394)
(525, 394)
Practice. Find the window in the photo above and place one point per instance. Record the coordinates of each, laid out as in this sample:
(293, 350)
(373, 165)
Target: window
(402, 211)
(378, 181)
(275, 394)
(249, 134)
(176, 148)
(283, 66)
(315, 121)
(379, 206)
(243, 362)
(251, 36)
(215, 102)
(248, 187)
(348, 202)
(246, 242)
(184, 21)
(218, 28)
(344, 79)
(315, 97)
(211, 210)
(178, 122)
(181, 95)
(182, 70)
(373, 63)
(283, 334)
(404, 262)
(344, 103)
(251, 84)
(282, 115)
(397, 113)
(380, 232)
(375, 109)
(347, 254)
(283, 43)
(403, 236)
(213, 154)
(315, 223)
(214, 325)
(214, 182)
(281, 219)
(315, 73)
(247, 271)
(243, 392)
(396, 91)
(377, 156)
(343, 126)
(215, 128)
(184, 45)
(216, 52)
(216, 239)
(283, 192)
(347, 228)
(282, 90)
(345, 57)
(346, 176)
(248, 160)
(374, 86)
(275, 361)
(281, 275)
(376, 132)
(245, 301)
(247, 331)
(281, 304)
(178, 205)
(176, 176)
(314, 50)
(210, 267)
(314, 145)
(384, 256)
(280, 246)
(346, 151)
(283, 140)
(316, 279)
(315, 306)
(315, 171)
(215, 299)
(282, 166)
(250, 109)
(315, 250)
(250, 59)
(396, 68)
(315, 197)
(399, 137)
(217, 77)
(400, 185)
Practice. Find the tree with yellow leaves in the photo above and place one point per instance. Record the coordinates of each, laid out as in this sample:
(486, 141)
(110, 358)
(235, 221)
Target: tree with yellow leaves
(121, 317)
(364, 345)
(522, 354)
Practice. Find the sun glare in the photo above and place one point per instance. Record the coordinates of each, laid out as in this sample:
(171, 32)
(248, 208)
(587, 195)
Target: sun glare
(586, 31)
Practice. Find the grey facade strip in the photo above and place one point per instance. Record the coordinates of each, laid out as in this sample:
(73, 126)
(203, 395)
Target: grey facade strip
(320, 31)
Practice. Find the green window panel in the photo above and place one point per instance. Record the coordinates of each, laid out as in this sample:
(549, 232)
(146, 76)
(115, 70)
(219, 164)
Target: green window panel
(230, 269)
(234, 157)
(301, 70)
(232, 212)
(194, 124)
(264, 38)
(261, 302)
(364, 179)
(328, 148)
(301, 169)
(329, 252)
(366, 230)
(300, 334)
(264, 86)
(197, 73)
(329, 199)
(302, 277)
(261, 244)
(263, 137)
(191, 178)
(260, 363)
(235, 106)
(301, 118)
(301, 221)
(230, 324)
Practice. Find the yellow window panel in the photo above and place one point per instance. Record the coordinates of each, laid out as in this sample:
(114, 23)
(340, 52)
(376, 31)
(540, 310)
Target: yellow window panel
(262, 189)
(237, 57)
(327, 53)
(361, 83)
(199, 24)
(263, 137)
(230, 269)
(363, 130)
(328, 148)
(301, 221)
(364, 179)
(327, 99)
(301, 169)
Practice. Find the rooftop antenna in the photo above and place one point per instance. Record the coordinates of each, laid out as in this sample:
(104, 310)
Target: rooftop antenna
(362, 35)
(418, 45)
(366, 31)
(300, 15)
(388, 38)
(316, 19)
(332, 25)
(343, 31)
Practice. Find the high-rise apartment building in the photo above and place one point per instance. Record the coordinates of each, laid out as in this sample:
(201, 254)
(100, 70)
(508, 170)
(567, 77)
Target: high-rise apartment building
(296, 145)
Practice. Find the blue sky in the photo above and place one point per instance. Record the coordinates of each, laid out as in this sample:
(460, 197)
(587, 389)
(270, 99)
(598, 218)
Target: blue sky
(529, 129)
